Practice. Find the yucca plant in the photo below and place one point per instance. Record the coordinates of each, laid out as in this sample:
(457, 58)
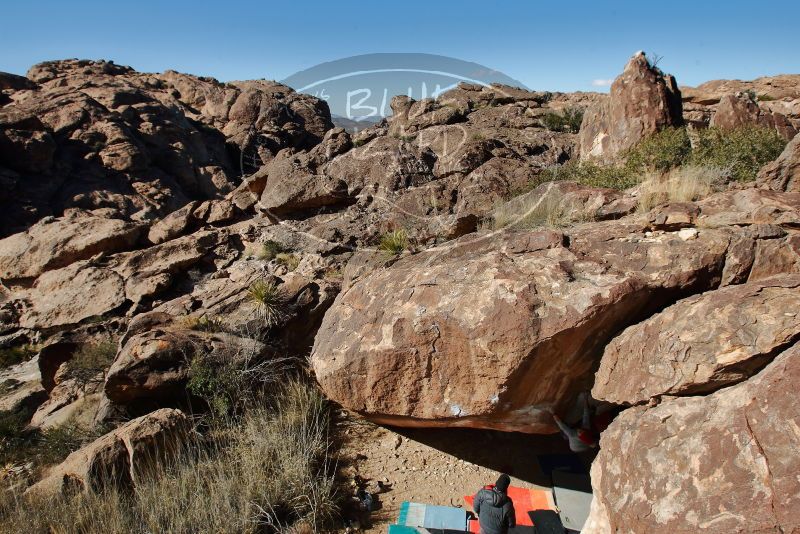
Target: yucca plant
(394, 242)
(269, 300)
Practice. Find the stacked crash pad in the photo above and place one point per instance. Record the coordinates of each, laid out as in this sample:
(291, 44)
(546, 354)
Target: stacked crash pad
(420, 518)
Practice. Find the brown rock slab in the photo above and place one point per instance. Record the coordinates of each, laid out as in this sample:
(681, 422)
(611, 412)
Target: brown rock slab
(54, 243)
(701, 343)
(783, 174)
(121, 456)
(726, 462)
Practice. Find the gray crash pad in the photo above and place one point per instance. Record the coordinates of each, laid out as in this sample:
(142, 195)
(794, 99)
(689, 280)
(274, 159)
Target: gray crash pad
(573, 495)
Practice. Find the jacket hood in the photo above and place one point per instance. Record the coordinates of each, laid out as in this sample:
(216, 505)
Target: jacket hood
(498, 498)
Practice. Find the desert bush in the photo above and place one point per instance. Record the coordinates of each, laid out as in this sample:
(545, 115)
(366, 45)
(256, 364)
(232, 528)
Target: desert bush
(269, 301)
(233, 376)
(333, 272)
(683, 184)
(91, 361)
(738, 154)
(569, 120)
(55, 443)
(660, 152)
(588, 174)
(216, 381)
(37, 448)
(203, 323)
(267, 250)
(261, 473)
(394, 242)
(15, 355)
(290, 261)
(742, 151)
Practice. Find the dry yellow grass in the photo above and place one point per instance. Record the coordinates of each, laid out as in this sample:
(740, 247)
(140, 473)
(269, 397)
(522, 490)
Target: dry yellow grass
(550, 210)
(267, 471)
(682, 184)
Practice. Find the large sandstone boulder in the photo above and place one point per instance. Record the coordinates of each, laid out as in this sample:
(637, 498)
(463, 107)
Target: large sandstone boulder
(783, 174)
(726, 462)
(642, 102)
(701, 343)
(493, 331)
(122, 456)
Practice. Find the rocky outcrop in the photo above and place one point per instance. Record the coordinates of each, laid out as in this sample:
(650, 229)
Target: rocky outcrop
(702, 343)
(642, 102)
(152, 367)
(120, 457)
(114, 284)
(92, 134)
(494, 329)
(784, 86)
(772, 102)
(434, 170)
(740, 109)
(726, 462)
(783, 174)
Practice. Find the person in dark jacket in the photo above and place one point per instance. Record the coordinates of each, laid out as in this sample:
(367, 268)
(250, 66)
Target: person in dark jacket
(494, 509)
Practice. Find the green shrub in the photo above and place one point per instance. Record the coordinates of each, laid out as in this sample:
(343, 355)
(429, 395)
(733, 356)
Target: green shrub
(589, 174)
(91, 361)
(741, 152)
(56, 443)
(215, 380)
(738, 154)
(268, 299)
(15, 355)
(766, 98)
(568, 121)
(21, 445)
(394, 242)
(660, 152)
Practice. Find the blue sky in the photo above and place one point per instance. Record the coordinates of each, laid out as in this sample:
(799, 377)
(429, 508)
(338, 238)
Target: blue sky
(553, 45)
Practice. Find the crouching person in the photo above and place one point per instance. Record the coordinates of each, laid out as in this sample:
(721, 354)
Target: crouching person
(494, 508)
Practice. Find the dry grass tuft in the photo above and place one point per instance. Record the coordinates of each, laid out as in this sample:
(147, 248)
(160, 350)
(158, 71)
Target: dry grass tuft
(550, 210)
(682, 184)
(263, 472)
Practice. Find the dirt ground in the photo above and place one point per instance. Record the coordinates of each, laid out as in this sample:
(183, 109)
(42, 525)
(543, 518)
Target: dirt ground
(433, 466)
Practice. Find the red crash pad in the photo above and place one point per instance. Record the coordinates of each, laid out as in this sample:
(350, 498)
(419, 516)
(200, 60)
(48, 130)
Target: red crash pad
(525, 500)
